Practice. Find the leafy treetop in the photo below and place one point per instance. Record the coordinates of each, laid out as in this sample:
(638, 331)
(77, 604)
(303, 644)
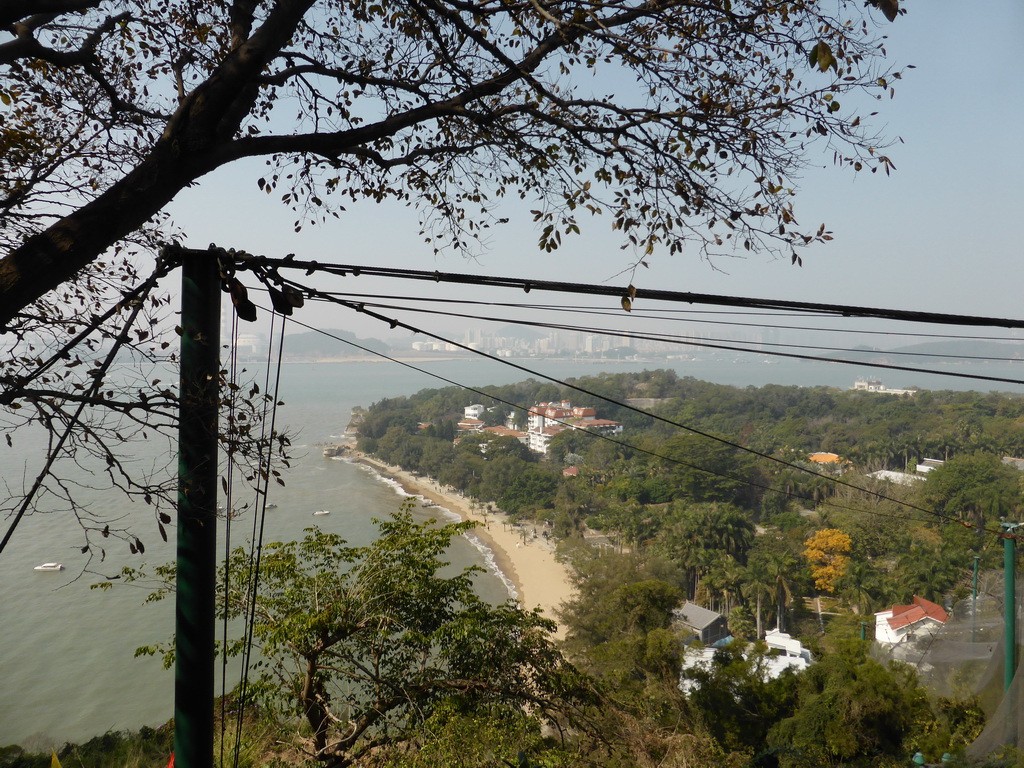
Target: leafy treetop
(827, 551)
(365, 644)
(682, 121)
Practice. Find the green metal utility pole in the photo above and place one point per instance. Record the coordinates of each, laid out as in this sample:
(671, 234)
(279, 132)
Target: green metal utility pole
(197, 512)
(974, 598)
(1009, 601)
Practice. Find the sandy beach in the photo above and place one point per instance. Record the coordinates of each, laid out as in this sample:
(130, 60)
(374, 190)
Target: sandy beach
(522, 553)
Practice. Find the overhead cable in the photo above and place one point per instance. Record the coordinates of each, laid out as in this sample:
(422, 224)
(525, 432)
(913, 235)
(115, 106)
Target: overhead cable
(654, 454)
(631, 292)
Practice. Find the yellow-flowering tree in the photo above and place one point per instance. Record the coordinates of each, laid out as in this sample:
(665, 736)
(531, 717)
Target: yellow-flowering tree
(827, 552)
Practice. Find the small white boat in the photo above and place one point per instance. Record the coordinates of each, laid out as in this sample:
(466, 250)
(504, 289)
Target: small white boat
(322, 512)
(50, 567)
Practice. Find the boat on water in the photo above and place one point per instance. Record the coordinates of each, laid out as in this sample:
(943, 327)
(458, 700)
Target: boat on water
(271, 506)
(322, 512)
(49, 567)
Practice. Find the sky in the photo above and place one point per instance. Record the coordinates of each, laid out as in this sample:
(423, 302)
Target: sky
(940, 234)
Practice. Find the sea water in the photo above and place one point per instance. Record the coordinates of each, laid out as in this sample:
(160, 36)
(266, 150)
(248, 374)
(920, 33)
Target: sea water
(66, 651)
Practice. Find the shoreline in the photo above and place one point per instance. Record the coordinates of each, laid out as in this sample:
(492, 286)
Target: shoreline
(525, 560)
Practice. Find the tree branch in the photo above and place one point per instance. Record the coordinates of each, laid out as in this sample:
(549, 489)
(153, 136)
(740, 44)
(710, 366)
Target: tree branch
(13, 11)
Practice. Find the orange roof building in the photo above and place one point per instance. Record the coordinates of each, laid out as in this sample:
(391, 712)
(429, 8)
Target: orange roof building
(825, 458)
(903, 622)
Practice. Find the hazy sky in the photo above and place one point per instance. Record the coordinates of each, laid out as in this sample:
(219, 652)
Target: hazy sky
(940, 234)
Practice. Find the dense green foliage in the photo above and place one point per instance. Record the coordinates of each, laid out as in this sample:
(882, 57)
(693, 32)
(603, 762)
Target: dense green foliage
(695, 500)
(146, 748)
(692, 517)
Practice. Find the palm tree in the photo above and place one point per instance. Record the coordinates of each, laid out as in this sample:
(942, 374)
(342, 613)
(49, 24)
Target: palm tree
(860, 586)
(733, 530)
(929, 574)
(723, 581)
(780, 566)
(758, 585)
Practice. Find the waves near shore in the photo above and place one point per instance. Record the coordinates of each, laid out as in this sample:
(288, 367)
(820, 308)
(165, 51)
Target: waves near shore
(526, 564)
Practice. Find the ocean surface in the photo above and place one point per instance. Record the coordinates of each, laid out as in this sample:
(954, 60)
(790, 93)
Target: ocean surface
(66, 651)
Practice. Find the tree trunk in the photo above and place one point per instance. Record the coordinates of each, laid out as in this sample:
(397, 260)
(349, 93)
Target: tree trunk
(198, 138)
(313, 708)
(780, 607)
(54, 256)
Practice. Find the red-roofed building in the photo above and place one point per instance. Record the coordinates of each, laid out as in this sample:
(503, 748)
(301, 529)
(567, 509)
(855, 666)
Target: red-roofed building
(507, 432)
(604, 426)
(902, 622)
(545, 420)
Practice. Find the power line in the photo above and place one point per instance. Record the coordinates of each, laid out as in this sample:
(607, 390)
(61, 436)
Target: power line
(674, 315)
(655, 454)
(267, 270)
(396, 323)
(723, 344)
(247, 261)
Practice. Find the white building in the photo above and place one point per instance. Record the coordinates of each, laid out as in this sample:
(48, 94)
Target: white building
(874, 385)
(784, 652)
(603, 426)
(903, 623)
(538, 440)
(545, 420)
(899, 478)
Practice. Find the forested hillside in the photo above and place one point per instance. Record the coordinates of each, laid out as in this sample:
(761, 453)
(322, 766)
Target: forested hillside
(718, 502)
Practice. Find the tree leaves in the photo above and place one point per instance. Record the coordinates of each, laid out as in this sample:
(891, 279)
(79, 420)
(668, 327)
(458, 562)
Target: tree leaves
(245, 309)
(890, 8)
(822, 58)
(827, 552)
(661, 179)
(381, 637)
(629, 298)
(113, 115)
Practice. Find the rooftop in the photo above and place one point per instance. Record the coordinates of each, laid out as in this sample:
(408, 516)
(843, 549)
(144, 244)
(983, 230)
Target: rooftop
(696, 616)
(920, 609)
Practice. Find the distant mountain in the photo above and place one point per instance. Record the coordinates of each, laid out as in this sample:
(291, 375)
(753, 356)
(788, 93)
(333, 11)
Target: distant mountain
(967, 347)
(935, 352)
(317, 345)
(858, 354)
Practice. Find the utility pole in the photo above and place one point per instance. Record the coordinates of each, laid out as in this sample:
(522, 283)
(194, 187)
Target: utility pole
(1009, 601)
(194, 667)
(974, 598)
